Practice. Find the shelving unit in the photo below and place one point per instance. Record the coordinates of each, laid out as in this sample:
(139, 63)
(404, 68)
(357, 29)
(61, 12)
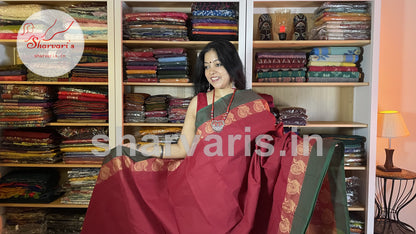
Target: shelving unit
(341, 108)
(63, 167)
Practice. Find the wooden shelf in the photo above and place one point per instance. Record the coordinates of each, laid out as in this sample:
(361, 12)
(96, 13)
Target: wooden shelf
(55, 204)
(356, 208)
(51, 83)
(51, 165)
(355, 168)
(12, 42)
(81, 124)
(158, 84)
(331, 124)
(154, 124)
(307, 44)
(171, 44)
(309, 84)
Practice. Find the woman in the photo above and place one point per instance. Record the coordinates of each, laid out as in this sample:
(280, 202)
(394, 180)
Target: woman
(233, 180)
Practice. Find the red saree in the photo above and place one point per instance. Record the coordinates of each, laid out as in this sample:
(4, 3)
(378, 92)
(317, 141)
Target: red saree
(215, 192)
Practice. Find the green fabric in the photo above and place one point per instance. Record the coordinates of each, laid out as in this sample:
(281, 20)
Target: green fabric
(330, 162)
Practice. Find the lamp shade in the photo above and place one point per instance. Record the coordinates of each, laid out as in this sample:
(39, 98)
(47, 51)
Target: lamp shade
(390, 124)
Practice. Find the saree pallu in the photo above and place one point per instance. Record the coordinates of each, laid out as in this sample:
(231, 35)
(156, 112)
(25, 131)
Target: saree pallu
(223, 188)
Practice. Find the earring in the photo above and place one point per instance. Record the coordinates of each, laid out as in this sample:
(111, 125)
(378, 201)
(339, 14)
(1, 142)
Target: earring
(209, 88)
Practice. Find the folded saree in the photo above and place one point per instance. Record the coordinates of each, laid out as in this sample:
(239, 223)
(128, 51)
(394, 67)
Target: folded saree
(227, 187)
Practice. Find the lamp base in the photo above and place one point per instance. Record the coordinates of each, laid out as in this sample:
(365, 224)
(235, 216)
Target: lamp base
(392, 169)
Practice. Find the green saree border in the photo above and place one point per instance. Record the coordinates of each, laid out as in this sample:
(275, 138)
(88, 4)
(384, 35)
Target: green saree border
(332, 162)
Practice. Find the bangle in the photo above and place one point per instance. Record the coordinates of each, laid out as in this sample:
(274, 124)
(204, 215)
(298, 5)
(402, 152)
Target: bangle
(161, 151)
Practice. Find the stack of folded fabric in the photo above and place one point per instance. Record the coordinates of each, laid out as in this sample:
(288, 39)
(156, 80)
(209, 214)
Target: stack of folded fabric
(29, 146)
(355, 153)
(214, 20)
(13, 73)
(65, 220)
(25, 105)
(134, 111)
(13, 16)
(352, 186)
(172, 65)
(156, 107)
(91, 17)
(281, 66)
(334, 64)
(92, 67)
(31, 76)
(79, 186)
(342, 21)
(293, 116)
(81, 104)
(177, 109)
(24, 220)
(140, 65)
(30, 186)
(162, 26)
(78, 145)
(165, 135)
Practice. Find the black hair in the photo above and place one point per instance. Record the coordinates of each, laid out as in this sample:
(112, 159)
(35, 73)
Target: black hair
(228, 56)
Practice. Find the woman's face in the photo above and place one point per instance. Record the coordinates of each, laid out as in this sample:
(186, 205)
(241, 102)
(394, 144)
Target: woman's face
(215, 72)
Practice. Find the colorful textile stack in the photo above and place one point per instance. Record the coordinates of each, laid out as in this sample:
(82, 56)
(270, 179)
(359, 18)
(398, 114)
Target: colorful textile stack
(91, 17)
(13, 73)
(79, 186)
(293, 116)
(24, 220)
(81, 104)
(29, 146)
(13, 16)
(342, 21)
(31, 185)
(355, 153)
(334, 64)
(65, 221)
(353, 186)
(92, 67)
(172, 65)
(165, 135)
(214, 20)
(25, 105)
(177, 109)
(141, 65)
(36, 77)
(281, 66)
(156, 107)
(78, 146)
(134, 111)
(163, 26)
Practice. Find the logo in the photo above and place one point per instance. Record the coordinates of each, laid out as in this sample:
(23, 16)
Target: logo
(50, 43)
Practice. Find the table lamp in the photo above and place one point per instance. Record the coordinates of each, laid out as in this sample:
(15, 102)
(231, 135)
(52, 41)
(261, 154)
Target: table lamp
(390, 125)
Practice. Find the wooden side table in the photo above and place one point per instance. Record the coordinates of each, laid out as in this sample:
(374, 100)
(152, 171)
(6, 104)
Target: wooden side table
(394, 191)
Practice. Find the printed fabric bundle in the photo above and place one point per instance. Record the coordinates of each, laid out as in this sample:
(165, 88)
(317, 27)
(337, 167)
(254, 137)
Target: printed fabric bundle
(24, 220)
(177, 109)
(32, 186)
(79, 186)
(29, 146)
(214, 20)
(25, 105)
(281, 66)
(355, 154)
(334, 64)
(293, 116)
(156, 107)
(134, 111)
(170, 26)
(91, 17)
(81, 104)
(78, 147)
(342, 21)
(165, 135)
(140, 65)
